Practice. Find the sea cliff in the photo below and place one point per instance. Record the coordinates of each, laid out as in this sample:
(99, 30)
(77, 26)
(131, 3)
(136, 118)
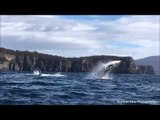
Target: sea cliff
(27, 61)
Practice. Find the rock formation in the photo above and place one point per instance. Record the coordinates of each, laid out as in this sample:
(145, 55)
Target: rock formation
(27, 61)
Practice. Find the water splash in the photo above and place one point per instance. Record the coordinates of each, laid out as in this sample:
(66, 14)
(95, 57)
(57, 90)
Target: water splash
(38, 72)
(54, 75)
(103, 70)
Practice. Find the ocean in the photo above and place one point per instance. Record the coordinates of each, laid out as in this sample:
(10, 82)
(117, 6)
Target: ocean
(26, 88)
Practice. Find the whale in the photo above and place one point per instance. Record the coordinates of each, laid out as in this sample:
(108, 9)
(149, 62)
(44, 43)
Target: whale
(109, 67)
(103, 69)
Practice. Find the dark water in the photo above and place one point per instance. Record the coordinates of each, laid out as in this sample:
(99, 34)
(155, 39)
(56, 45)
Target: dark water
(73, 89)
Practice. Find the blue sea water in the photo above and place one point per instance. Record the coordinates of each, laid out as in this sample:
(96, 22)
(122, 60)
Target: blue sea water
(25, 88)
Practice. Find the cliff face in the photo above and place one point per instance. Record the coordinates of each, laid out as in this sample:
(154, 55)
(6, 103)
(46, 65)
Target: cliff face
(27, 61)
(152, 60)
(142, 69)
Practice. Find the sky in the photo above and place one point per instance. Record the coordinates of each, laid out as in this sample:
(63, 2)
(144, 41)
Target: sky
(83, 35)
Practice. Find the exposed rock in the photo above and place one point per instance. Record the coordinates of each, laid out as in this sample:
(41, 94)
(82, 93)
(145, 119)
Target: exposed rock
(152, 60)
(142, 69)
(27, 61)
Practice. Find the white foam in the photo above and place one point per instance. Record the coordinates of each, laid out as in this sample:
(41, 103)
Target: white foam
(36, 72)
(54, 75)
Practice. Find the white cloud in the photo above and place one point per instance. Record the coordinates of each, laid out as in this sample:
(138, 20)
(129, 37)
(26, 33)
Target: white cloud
(81, 37)
(83, 27)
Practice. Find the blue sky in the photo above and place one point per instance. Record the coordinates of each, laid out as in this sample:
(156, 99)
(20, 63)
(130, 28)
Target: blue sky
(91, 17)
(82, 35)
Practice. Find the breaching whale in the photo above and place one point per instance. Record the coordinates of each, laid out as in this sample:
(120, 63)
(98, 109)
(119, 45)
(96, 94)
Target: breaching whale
(103, 69)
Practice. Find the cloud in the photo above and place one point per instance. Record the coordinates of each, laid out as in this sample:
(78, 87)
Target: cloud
(83, 27)
(58, 34)
(136, 36)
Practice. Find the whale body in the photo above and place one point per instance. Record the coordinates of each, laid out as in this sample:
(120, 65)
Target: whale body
(108, 67)
(103, 69)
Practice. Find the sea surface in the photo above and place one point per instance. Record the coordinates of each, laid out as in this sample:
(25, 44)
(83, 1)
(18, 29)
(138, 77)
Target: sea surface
(26, 88)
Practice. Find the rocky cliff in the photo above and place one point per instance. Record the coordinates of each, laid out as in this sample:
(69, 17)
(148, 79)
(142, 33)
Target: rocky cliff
(27, 61)
(152, 61)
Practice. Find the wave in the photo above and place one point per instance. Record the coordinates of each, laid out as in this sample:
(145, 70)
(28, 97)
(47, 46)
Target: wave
(54, 75)
(38, 72)
(50, 75)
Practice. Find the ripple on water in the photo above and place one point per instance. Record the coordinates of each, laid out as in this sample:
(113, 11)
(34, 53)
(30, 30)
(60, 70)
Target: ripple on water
(25, 88)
